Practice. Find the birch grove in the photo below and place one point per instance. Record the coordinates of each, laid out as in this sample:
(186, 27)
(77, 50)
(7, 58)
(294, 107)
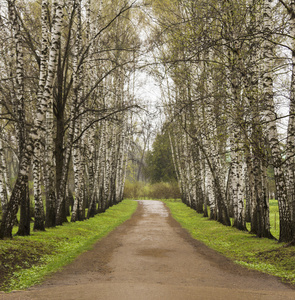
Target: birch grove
(65, 109)
(228, 65)
(226, 72)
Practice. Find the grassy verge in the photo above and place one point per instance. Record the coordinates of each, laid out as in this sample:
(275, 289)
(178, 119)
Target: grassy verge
(246, 249)
(25, 261)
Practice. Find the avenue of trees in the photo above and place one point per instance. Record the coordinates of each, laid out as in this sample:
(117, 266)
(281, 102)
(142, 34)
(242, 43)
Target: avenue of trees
(69, 115)
(66, 108)
(227, 70)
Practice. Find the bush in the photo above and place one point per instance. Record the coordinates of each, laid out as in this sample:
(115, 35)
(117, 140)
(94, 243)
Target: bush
(160, 190)
(165, 190)
(133, 190)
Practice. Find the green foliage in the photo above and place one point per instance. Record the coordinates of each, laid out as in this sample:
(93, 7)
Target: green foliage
(164, 190)
(274, 218)
(159, 163)
(25, 261)
(246, 249)
(159, 190)
(134, 189)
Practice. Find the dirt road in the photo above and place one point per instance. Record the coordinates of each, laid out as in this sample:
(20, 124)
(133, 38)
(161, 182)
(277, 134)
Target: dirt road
(152, 257)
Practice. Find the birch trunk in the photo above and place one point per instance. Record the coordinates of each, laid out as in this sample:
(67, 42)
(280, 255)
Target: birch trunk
(63, 177)
(24, 224)
(103, 174)
(124, 171)
(215, 167)
(198, 182)
(290, 167)
(3, 183)
(49, 127)
(39, 209)
(286, 234)
(22, 178)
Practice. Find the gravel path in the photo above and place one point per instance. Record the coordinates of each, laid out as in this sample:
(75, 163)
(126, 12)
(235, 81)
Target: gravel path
(152, 257)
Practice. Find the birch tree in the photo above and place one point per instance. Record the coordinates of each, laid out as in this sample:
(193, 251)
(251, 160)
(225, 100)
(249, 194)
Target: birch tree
(21, 183)
(271, 129)
(225, 77)
(78, 96)
(290, 8)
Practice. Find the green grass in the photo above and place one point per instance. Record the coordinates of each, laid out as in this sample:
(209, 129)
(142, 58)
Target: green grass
(25, 261)
(246, 249)
(274, 218)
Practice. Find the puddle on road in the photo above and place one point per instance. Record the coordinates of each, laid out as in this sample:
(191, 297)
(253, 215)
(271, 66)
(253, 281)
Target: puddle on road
(154, 207)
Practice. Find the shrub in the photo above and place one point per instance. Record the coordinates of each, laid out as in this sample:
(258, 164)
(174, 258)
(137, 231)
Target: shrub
(165, 190)
(160, 190)
(133, 190)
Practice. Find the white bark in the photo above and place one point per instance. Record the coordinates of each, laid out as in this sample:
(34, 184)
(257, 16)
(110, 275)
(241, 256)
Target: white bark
(3, 183)
(271, 129)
